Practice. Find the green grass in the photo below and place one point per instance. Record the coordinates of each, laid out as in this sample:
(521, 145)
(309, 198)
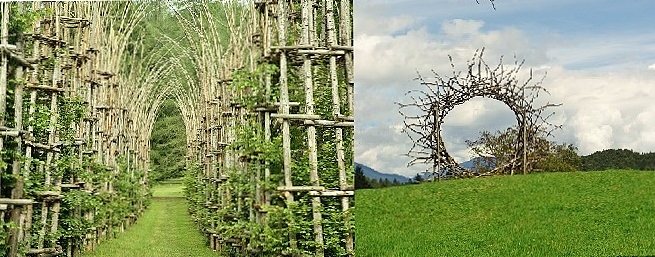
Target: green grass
(179, 180)
(165, 230)
(168, 189)
(609, 213)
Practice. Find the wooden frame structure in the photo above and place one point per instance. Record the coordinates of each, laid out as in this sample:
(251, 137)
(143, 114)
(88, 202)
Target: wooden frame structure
(325, 36)
(71, 74)
(64, 72)
(297, 57)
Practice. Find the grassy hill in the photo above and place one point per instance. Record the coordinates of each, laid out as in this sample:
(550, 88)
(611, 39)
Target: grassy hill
(609, 213)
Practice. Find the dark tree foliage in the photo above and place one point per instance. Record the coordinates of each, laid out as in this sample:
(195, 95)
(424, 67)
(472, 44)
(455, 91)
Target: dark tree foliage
(380, 183)
(493, 149)
(375, 183)
(361, 181)
(418, 178)
(618, 159)
(168, 144)
(646, 161)
(560, 158)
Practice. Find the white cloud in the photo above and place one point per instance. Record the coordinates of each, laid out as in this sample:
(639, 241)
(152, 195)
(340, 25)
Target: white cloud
(369, 22)
(651, 67)
(605, 109)
(385, 66)
(595, 127)
(383, 58)
(605, 52)
(459, 27)
(466, 121)
(601, 108)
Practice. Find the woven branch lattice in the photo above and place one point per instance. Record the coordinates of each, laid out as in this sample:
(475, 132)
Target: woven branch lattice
(425, 113)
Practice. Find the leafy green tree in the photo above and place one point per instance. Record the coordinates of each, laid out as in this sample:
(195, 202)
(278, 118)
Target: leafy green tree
(168, 144)
(618, 159)
(497, 149)
(375, 183)
(386, 182)
(361, 181)
(561, 157)
(646, 161)
(418, 178)
(493, 149)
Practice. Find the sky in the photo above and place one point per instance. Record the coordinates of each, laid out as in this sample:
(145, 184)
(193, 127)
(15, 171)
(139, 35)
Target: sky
(597, 58)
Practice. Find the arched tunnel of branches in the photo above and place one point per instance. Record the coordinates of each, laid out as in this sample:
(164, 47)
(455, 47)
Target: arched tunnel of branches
(265, 90)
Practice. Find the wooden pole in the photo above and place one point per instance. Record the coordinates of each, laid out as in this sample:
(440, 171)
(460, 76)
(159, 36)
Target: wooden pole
(4, 61)
(284, 109)
(306, 16)
(346, 37)
(524, 139)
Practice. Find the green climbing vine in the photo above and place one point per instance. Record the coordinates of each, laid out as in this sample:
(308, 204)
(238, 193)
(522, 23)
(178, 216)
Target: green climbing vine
(249, 85)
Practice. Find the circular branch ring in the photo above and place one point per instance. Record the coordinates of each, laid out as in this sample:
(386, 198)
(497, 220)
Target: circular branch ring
(480, 80)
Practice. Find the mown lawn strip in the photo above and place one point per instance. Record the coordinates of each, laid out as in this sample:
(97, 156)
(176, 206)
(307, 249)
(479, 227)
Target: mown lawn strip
(164, 230)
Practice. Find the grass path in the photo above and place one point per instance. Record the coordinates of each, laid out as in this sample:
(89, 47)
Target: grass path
(165, 230)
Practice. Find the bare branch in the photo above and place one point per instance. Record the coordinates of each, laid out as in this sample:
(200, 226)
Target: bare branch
(428, 108)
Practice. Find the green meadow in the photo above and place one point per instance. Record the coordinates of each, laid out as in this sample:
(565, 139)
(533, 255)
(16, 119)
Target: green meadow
(604, 213)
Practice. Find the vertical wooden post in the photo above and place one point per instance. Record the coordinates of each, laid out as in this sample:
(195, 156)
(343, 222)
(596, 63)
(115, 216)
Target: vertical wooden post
(346, 42)
(4, 62)
(53, 133)
(305, 40)
(524, 139)
(284, 109)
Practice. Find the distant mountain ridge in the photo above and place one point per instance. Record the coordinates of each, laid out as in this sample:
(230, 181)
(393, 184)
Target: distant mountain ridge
(470, 164)
(374, 174)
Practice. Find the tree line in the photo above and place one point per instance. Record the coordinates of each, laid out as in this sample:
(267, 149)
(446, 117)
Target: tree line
(618, 159)
(361, 181)
(562, 158)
